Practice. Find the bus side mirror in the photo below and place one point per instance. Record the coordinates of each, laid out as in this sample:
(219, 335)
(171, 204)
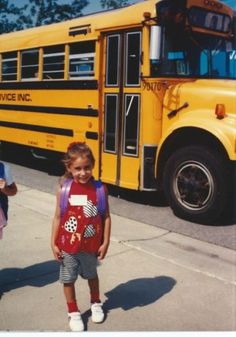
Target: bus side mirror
(155, 45)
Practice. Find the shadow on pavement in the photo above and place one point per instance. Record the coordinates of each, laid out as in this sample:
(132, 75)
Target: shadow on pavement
(37, 275)
(151, 198)
(24, 158)
(135, 293)
(138, 292)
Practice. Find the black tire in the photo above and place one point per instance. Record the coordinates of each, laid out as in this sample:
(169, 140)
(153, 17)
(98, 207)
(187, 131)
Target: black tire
(195, 183)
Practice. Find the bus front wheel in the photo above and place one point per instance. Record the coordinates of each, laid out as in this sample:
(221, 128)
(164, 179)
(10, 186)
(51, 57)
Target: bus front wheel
(195, 184)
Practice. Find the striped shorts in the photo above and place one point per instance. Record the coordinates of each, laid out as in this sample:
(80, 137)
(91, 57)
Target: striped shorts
(73, 265)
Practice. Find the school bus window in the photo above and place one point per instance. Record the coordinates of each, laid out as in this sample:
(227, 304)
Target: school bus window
(133, 53)
(131, 125)
(29, 64)
(81, 60)
(111, 108)
(113, 48)
(53, 62)
(202, 18)
(9, 66)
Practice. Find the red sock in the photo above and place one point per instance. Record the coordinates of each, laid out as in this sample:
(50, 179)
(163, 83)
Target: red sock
(72, 306)
(95, 298)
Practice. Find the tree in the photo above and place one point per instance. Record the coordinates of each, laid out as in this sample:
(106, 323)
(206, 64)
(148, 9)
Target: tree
(113, 3)
(50, 11)
(37, 13)
(12, 17)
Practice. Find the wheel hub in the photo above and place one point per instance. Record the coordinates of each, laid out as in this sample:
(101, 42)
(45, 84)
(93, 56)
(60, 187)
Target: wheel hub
(193, 185)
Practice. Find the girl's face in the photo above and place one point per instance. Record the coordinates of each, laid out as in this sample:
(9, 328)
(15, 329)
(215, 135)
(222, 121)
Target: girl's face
(81, 169)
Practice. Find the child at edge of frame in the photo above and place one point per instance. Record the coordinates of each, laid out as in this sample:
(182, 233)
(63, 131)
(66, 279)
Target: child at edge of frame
(81, 231)
(8, 188)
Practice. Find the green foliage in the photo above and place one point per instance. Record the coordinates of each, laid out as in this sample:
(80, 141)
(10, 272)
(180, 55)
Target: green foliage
(38, 13)
(113, 3)
(13, 16)
(43, 12)
(51, 11)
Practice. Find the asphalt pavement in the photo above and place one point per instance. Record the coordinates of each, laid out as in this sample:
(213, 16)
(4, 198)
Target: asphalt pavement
(151, 280)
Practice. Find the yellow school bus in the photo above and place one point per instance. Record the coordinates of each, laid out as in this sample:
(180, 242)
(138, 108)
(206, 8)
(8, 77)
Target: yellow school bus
(150, 87)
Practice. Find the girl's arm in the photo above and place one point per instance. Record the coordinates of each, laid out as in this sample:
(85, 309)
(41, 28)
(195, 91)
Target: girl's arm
(55, 227)
(8, 190)
(106, 232)
(7, 185)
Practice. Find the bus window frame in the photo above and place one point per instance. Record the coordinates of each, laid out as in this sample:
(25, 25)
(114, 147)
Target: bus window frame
(91, 55)
(204, 28)
(11, 59)
(86, 74)
(127, 107)
(22, 67)
(127, 63)
(115, 111)
(51, 55)
(116, 84)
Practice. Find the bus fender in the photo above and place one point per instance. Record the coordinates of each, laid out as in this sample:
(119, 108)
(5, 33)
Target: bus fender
(223, 130)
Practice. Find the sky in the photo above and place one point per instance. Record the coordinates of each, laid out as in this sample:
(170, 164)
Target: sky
(95, 6)
(231, 3)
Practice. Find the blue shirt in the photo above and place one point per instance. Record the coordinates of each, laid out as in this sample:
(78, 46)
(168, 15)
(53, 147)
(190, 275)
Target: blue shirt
(8, 175)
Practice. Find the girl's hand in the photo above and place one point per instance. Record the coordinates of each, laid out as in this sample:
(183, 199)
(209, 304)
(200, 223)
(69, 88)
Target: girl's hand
(102, 251)
(57, 253)
(2, 183)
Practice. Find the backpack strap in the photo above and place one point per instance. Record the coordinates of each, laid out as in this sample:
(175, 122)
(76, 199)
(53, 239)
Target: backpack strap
(64, 195)
(101, 197)
(2, 171)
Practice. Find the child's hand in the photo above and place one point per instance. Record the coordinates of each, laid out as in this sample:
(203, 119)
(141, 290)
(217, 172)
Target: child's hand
(2, 183)
(102, 251)
(57, 253)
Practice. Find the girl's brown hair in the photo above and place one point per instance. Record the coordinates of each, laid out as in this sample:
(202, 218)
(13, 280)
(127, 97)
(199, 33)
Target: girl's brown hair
(75, 150)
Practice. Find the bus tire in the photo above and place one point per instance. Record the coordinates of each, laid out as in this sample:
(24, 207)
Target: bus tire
(195, 183)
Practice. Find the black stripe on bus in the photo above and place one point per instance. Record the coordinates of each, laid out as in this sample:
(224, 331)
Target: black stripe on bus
(38, 128)
(52, 110)
(43, 85)
(91, 135)
(78, 32)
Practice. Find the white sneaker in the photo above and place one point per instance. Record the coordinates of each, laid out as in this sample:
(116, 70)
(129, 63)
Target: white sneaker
(97, 313)
(75, 321)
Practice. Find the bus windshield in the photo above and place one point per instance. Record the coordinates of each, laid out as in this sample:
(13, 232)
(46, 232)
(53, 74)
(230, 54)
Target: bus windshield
(197, 55)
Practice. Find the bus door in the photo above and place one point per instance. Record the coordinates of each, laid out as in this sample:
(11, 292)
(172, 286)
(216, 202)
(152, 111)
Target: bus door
(121, 102)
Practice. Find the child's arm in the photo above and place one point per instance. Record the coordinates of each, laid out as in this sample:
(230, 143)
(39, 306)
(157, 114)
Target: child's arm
(7, 185)
(55, 228)
(8, 190)
(106, 238)
(106, 232)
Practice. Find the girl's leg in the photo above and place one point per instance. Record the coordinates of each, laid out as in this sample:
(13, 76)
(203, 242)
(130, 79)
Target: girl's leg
(75, 319)
(94, 290)
(96, 305)
(69, 291)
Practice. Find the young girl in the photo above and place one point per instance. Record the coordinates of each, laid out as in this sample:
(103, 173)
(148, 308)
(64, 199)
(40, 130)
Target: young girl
(81, 235)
